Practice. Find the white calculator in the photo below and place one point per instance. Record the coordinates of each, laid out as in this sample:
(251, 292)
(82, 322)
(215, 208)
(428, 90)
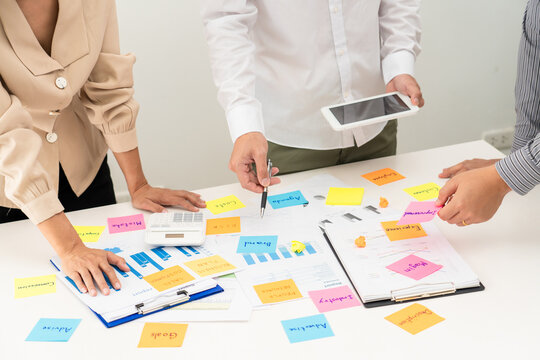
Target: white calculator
(175, 229)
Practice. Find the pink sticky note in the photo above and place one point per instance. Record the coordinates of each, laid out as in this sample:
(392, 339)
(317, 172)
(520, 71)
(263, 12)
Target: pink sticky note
(419, 212)
(340, 297)
(414, 267)
(126, 223)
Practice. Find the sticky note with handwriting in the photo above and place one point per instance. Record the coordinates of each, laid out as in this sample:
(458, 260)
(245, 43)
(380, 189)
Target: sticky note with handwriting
(419, 212)
(424, 192)
(414, 318)
(335, 298)
(414, 267)
(228, 225)
(224, 204)
(257, 244)
(126, 223)
(383, 176)
(288, 199)
(344, 196)
(277, 291)
(396, 232)
(53, 330)
(89, 233)
(210, 265)
(307, 328)
(32, 286)
(168, 278)
(156, 335)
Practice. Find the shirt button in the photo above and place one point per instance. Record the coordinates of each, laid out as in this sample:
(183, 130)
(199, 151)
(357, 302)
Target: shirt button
(61, 82)
(54, 112)
(51, 137)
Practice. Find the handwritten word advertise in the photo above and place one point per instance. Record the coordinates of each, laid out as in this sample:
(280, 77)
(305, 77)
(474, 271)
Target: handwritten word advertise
(277, 291)
(211, 265)
(224, 204)
(257, 244)
(424, 192)
(229, 225)
(307, 328)
(287, 199)
(414, 318)
(33, 286)
(414, 267)
(336, 298)
(126, 223)
(418, 212)
(53, 330)
(168, 278)
(396, 232)
(162, 335)
(383, 176)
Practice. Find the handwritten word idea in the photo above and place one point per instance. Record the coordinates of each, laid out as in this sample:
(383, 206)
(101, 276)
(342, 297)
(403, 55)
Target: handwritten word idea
(224, 204)
(228, 225)
(277, 291)
(168, 278)
(383, 176)
(126, 223)
(257, 244)
(414, 267)
(162, 335)
(53, 330)
(414, 318)
(288, 199)
(32, 286)
(424, 192)
(336, 298)
(307, 328)
(396, 232)
(418, 212)
(211, 265)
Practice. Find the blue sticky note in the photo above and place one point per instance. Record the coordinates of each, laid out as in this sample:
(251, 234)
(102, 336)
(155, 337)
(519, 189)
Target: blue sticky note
(257, 244)
(307, 328)
(288, 199)
(53, 330)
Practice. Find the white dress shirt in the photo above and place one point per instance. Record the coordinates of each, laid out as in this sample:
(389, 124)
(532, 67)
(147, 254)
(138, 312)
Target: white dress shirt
(277, 62)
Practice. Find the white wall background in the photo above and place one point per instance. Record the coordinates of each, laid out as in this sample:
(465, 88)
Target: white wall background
(467, 71)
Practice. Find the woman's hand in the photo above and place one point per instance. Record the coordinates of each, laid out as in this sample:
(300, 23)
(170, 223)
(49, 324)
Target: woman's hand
(154, 199)
(466, 166)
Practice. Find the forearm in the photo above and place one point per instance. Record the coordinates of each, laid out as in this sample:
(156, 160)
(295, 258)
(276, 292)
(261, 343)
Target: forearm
(130, 163)
(60, 234)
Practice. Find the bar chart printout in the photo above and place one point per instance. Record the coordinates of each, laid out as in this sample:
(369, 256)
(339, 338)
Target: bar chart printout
(282, 252)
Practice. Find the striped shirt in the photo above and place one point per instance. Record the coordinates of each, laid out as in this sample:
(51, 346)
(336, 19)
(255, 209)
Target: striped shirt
(521, 169)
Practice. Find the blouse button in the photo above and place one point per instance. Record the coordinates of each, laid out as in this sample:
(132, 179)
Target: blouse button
(61, 82)
(51, 137)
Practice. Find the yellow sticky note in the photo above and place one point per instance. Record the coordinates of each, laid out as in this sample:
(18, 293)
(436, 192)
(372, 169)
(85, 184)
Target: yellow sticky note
(168, 278)
(414, 318)
(344, 196)
(229, 225)
(424, 192)
(402, 232)
(162, 335)
(383, 176)
(277, 291)
(89, 233)
(224, 204)
(209, 265)
(33, 286)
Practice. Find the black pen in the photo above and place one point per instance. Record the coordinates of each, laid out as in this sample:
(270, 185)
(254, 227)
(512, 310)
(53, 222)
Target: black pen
(265, 191)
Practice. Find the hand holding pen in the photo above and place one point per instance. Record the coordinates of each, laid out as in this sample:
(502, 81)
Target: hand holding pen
(265, 191)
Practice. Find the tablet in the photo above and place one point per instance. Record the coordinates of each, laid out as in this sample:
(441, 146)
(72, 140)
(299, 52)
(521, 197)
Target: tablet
(369, 111)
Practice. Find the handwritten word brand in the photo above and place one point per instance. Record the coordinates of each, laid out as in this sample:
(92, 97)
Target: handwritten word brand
(258, 243)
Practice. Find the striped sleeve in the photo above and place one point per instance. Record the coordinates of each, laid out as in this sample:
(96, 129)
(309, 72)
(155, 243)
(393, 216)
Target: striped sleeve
(521, 169)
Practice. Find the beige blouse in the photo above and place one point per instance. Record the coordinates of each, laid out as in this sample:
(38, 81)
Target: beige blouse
(67, 108)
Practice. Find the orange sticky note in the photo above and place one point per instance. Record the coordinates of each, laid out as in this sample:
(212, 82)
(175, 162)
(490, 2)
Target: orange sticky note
(162, 335)
(277, 291)
(414, 318)
(228, 225)
(169, 278)
(383, 176)
(402, 232)
(210, 265)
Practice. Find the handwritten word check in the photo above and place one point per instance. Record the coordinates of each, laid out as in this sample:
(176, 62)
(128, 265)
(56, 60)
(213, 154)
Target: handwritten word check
(224, 204)
(307, 328)
(257, 244)
(383, 176)
(414, 267)
(288, 199)
(53, 330)
(414, 318)
(419, 212)
(126, 223)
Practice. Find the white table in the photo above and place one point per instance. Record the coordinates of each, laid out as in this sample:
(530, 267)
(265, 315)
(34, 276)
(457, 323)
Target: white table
(500, 322)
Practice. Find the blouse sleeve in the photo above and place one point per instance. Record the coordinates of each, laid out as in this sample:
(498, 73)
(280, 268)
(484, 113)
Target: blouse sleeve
(108, 93)
(27, 184)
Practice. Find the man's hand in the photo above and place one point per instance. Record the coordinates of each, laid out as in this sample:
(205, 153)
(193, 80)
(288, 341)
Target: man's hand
(465, 166)
(472, 197)
(154, 199)
(406, 85)
(248, 149)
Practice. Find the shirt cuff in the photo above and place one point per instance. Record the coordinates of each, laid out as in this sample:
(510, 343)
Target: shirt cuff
(243, 119)
(43, 207)
(122, 142)
(396, 63)
(519, 171)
